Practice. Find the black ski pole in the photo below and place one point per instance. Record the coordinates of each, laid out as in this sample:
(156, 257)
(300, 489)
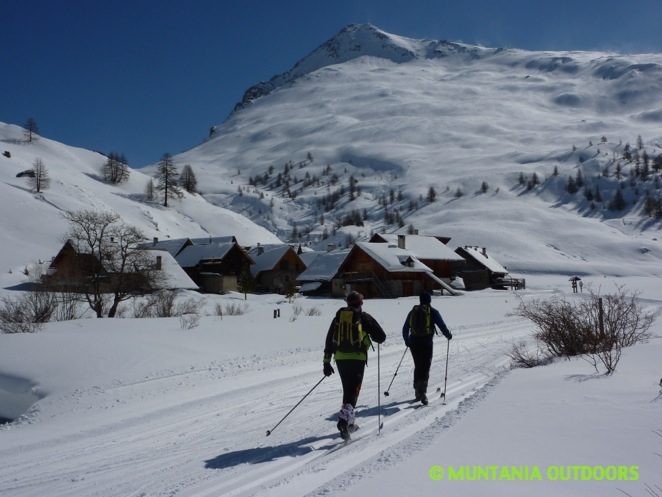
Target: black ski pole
(396, 372)
(297, 405)
(379, 397)
(443, 394)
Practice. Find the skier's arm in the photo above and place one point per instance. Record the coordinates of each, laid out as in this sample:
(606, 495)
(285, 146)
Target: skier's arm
(405, 330)
(372, 327)
(436, 318)
(328, 344)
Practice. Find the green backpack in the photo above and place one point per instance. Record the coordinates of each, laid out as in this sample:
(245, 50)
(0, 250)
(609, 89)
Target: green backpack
(349, 337)
(420, 320)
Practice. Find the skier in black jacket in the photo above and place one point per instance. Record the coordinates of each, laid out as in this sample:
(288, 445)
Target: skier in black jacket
(417, 332)
(348, 339)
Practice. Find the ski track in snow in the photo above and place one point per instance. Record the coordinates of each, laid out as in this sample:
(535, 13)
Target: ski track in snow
(208, 437)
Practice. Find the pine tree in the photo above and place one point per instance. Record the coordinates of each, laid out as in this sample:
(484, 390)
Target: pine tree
(150, 194)
(167, 179)
(246, 281)
(571, 186)
(534, 179)
(618, 202)
(187, 180)
(432, 194)
(484, 187)
(627, 153)
(579, 179)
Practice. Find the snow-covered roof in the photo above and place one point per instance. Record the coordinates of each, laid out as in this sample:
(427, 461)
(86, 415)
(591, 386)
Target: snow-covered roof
(310, 286)
(266, 257)
(193, 254)
(309, 257)
(324, 267)
(213, 240)
(395, 259)
(172, 246)
(486, 260)
(425, 247)
(392, 258)
(172, 273)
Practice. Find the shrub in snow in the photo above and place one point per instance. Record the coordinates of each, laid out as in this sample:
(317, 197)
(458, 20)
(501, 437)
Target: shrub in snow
(26, 313)
(522, 357)
(234, 309)
(313, 311)
(189, 321)
(596, 326)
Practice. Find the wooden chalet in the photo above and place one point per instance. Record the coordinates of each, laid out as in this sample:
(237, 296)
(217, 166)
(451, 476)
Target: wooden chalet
(71, 266)
(384, 270)
(430, 250)
(215, 267)
(174, 246)
(321, 274)
(483, 271)
(275, 268)
(72, 269)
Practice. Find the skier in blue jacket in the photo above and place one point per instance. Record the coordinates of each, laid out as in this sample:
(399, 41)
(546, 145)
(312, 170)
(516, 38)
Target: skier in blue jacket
(418, 332)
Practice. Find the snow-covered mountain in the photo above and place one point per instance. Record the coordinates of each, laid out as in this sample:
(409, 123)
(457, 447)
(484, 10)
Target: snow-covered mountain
(33, 225)
(400, 115)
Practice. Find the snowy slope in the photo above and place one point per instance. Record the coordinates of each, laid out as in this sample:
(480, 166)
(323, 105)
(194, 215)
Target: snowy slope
(32, 226)
(143, 407)
(404, 114)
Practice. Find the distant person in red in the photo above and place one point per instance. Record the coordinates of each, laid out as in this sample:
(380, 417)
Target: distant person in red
(348, 340)
(418, 332)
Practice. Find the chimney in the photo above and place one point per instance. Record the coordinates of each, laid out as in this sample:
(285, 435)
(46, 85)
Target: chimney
(159, 262)
(155, 240)
(260, 249)
(401, 241)
(484, 251)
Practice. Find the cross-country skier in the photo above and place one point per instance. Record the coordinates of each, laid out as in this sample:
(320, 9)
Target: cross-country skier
(348, 339)
(418, 331)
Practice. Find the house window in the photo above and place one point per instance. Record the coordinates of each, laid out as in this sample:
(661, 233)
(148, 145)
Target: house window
(284, 265)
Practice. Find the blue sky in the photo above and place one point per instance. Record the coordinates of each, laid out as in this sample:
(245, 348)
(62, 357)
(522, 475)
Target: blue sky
(146, 77)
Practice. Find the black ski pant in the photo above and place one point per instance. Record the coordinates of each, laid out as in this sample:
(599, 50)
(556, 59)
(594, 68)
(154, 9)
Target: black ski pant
(422, 355)
(351, 375)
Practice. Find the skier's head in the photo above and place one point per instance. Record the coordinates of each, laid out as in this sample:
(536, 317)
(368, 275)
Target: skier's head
(425, 298)
(354, 299)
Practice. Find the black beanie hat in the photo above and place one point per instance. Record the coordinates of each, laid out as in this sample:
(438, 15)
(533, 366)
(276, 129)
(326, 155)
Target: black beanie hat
(425, 298)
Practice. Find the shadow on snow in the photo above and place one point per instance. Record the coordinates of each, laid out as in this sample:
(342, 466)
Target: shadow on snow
(260, 455)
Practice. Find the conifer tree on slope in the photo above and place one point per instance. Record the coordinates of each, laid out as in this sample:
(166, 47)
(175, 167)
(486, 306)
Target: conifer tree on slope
(168, 179)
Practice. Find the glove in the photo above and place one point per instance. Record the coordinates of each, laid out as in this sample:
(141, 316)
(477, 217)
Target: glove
(328, 369)
(407, 341)
(449, 335)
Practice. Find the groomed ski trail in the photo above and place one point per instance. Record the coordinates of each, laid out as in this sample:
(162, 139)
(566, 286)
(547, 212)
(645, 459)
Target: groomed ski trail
(207, 436)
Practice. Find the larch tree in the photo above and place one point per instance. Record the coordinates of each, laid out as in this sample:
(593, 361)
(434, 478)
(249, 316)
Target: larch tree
(39, 178)
(31, 129)
(168, 179)
(187, 179)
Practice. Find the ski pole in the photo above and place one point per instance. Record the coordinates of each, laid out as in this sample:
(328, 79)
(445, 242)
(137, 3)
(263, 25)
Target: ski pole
(297, 405)
(386, 393)
(379, 398)
(443, 394)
